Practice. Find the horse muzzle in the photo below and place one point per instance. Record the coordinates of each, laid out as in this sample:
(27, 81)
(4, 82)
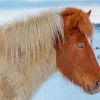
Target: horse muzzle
(96, 90)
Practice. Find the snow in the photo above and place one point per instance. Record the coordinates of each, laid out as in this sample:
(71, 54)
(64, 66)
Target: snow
(57, 87)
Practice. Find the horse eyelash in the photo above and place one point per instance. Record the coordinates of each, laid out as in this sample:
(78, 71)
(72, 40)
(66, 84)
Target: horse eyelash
(80, 45)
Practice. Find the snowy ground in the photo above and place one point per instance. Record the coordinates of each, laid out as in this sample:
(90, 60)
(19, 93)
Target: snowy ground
(57, 88)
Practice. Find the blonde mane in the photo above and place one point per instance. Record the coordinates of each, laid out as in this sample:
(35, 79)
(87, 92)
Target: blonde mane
(32, 50)
(26, 41)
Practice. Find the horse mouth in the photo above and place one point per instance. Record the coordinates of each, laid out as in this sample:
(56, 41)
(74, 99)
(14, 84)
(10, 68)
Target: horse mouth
(92, 91)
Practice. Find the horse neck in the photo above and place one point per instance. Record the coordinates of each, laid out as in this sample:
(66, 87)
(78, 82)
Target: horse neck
(44, 69)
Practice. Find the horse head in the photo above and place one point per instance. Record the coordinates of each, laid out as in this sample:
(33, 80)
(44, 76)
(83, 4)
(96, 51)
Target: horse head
(74, 55)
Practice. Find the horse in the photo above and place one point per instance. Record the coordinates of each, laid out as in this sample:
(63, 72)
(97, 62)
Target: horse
(34, 49)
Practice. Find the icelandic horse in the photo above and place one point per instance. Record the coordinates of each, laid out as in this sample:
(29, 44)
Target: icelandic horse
(33, 50)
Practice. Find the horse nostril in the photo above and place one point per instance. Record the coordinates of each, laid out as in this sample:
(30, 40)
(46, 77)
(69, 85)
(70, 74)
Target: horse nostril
(98, 83)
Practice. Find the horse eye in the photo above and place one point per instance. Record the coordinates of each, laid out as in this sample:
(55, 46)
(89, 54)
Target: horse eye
(80, 45)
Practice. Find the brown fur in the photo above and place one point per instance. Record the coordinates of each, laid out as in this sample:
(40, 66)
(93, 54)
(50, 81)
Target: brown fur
(77, 18)
(78, 65)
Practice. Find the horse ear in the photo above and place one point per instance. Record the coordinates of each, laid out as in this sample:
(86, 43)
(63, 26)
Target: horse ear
(73, 20)
(88, 13)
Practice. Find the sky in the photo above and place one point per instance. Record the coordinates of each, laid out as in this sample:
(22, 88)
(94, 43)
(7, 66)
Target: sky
(22, 4)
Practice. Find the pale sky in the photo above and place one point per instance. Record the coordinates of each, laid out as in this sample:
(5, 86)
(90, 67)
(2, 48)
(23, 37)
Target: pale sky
(22, 4)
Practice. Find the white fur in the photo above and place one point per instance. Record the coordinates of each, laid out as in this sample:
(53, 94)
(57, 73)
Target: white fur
(27, 55)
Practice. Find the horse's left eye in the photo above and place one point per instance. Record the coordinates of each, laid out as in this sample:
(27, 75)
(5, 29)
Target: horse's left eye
(80, 45)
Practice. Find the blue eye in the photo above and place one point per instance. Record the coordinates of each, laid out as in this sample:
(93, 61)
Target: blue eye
(80, 45)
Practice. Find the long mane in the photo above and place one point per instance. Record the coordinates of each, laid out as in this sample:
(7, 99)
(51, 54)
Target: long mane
(29, 40)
